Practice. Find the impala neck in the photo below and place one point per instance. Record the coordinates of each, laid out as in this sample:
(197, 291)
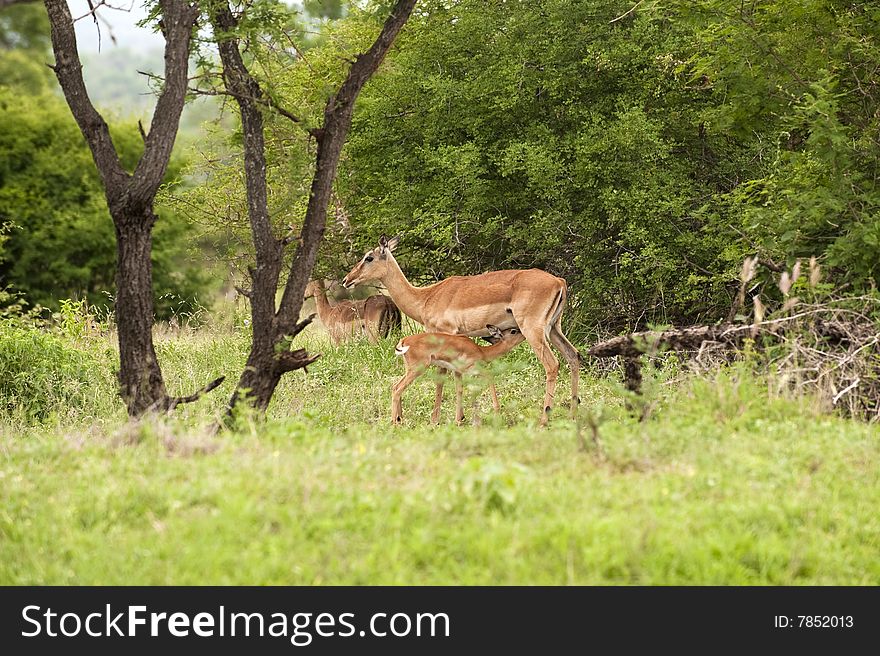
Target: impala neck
(322, 304)
(407, 297)
(497, 349)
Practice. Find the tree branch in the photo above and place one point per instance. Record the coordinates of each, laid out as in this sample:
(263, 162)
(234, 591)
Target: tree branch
(68, 70)
(173, 402)
(330, 138)
(297, 328)
(292, 360)
(178, 18)
(627, 13)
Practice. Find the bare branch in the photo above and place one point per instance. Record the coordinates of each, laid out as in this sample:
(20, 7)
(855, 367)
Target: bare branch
(627, 13)
(771, 265)
(297, 327)
(292, 360)
(208, 92)
(91, 12)
(173, 402)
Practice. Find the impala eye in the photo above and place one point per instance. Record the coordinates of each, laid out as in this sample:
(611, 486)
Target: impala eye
(368, 258)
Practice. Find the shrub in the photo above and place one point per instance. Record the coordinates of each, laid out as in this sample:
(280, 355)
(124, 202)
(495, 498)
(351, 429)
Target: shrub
(41, 375)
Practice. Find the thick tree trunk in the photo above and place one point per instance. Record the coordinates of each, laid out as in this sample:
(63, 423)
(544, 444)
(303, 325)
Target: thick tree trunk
(259, 379)
(268, 361)
(263, 371)
(130, 196)
(140, 378)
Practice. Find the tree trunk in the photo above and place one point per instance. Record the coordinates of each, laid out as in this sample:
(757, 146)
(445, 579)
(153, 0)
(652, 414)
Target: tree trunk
(263, 371)
(140, 378)
(269, 358)
(130, 195)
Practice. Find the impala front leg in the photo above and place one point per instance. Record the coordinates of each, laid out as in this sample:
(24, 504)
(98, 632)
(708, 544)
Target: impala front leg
(494, 394)
(438, 396)
(397, 392)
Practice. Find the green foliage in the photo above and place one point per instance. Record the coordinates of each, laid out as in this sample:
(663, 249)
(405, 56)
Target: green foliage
(58, 239)
(331, 9)
(494, 484)
(511, 135)
(793, 84)
(62, 242)
(24, 27)
(44, 376)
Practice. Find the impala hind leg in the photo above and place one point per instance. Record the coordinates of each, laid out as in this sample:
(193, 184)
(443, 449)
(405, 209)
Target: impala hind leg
(537, 339)
(397, 392)
(572, 358)
(494, 393)
(459, 407)
(438, 396)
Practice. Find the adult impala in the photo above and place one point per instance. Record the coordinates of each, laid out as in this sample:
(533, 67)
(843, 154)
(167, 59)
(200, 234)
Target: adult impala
(374, 316)
(531, 300)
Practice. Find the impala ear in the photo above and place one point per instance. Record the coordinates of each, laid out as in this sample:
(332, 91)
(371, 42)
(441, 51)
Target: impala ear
(383, 242)
(494, 331)
(392, 243)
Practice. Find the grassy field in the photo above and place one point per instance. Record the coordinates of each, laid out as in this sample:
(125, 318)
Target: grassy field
(725, 483)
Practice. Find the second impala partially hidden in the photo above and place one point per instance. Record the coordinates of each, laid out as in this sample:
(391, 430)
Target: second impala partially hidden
(455, 353)
(373, 317)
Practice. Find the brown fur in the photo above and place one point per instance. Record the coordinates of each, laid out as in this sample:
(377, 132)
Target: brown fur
(373, 317)
(455, 353)
(531, 299)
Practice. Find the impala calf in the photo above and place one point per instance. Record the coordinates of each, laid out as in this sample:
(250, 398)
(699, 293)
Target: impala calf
(455, 353)
(531, 300)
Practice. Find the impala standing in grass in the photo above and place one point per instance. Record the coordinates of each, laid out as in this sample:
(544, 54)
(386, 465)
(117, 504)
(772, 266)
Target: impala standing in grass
(374, 316)
(531, 300)
(455, 353)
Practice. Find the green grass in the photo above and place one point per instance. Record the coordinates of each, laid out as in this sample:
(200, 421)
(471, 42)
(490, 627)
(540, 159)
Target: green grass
(723, 484)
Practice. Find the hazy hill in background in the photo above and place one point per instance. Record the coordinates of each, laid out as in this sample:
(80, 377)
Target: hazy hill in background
(116, 86)
(112, 71)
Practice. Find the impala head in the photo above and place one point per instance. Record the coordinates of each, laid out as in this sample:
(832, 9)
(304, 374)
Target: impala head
(496, 334)
(313, 288)
(373, 264)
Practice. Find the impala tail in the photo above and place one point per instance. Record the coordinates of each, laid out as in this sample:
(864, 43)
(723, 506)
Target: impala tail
(400, 349)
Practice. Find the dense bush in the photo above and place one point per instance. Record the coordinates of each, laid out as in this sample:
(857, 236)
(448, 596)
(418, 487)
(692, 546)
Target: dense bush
(42, 374)
(59, 237)
(62, 242)
(639, 158)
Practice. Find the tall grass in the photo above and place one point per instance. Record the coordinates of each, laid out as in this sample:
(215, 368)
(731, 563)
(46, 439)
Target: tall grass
(729, 480)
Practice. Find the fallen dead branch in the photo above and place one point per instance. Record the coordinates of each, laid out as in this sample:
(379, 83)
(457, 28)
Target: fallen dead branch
(831, 349)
